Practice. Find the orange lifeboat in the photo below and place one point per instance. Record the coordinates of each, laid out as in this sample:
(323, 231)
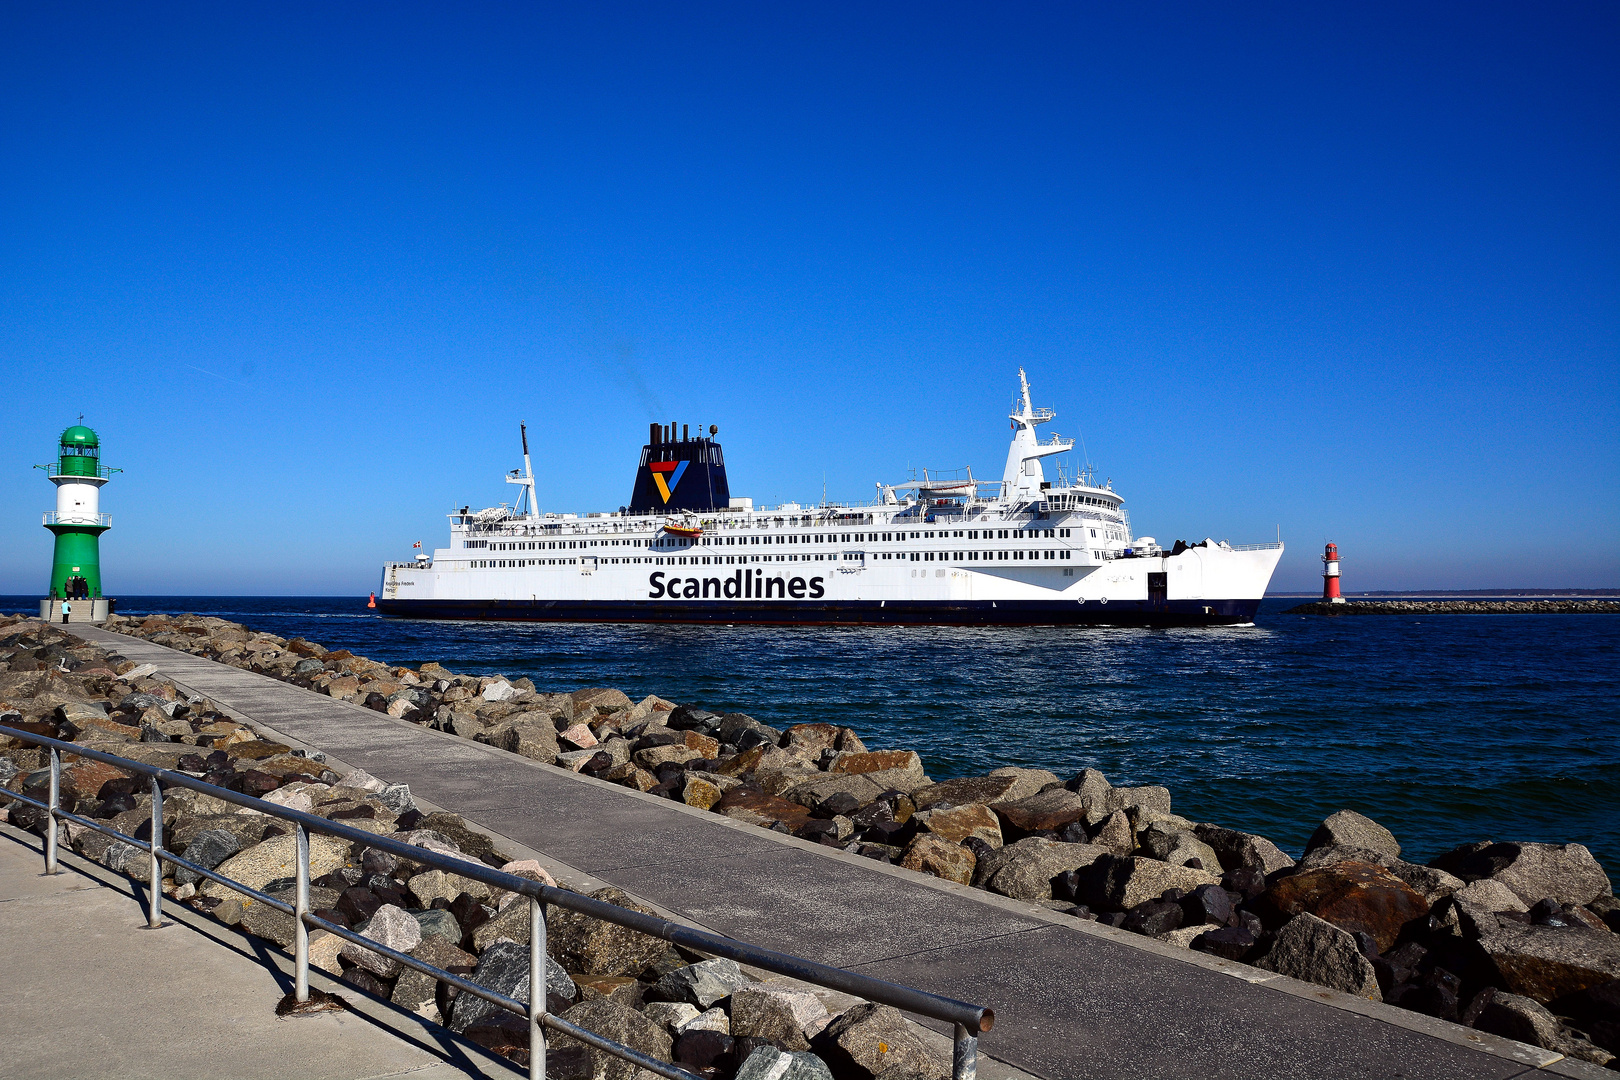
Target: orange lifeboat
(684, 526)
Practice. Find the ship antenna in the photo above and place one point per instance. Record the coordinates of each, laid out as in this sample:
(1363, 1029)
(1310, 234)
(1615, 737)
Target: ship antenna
(527, 479)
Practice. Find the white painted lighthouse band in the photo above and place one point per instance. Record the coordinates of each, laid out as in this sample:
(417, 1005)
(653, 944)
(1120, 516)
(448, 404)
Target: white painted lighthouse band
(1330, 575)
(77, 523)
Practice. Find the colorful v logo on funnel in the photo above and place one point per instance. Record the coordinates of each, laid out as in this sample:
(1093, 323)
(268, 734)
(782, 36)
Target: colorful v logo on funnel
(659, 468)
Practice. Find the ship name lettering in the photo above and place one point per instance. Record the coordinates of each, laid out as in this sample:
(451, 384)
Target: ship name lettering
(743, 585)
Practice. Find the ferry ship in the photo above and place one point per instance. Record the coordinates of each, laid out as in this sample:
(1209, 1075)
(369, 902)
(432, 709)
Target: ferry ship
(942, 550)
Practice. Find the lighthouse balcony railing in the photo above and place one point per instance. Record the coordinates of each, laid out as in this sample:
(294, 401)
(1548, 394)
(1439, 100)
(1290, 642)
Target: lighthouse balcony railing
(81, 469)
(56, 517)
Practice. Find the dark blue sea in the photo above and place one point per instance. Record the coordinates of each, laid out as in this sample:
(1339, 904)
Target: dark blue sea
(1446, 729)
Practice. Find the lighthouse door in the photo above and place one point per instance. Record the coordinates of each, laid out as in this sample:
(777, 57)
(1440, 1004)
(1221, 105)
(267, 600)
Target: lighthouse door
(1158, 589)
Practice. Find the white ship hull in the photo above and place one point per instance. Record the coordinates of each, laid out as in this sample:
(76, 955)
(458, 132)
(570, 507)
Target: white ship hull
(918, 581)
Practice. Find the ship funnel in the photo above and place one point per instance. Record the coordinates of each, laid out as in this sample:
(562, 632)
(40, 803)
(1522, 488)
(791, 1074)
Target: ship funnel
(680, 474)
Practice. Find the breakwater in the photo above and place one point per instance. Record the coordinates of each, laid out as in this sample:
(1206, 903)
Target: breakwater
(1437, 728)
(1460, 607)
(706, 1015)
(1352, 913)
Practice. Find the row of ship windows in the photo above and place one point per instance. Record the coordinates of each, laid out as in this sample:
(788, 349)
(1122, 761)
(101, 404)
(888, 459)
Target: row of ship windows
(848, 556)
(817, 538)
(873, 538)
(975, 556)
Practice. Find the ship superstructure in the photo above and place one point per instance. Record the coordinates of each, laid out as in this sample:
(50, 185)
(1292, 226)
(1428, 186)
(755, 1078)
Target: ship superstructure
(946, 550)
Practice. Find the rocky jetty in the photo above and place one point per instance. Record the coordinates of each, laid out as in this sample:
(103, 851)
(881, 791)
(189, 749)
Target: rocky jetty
(705, 1014)
(1460, 607)
(1519, 939)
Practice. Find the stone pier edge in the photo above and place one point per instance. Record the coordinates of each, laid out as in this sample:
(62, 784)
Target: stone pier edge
(991, 1067)
(1532, 1057)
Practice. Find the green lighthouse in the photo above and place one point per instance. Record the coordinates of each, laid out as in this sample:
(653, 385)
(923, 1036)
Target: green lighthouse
(77, 523)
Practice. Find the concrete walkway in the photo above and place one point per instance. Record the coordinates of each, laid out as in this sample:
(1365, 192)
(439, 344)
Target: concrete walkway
(1072, 999)
(89, 991)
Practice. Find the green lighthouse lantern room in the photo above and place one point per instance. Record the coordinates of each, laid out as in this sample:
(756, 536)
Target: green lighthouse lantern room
(77, 523)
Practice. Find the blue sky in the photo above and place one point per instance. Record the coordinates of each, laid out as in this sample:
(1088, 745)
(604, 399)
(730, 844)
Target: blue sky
(1348, 273)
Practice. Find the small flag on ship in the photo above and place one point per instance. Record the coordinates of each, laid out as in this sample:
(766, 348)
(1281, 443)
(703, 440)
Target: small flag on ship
(417, 544)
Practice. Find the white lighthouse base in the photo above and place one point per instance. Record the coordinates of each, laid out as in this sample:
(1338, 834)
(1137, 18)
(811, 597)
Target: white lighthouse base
(1337, 600)
(84, 611)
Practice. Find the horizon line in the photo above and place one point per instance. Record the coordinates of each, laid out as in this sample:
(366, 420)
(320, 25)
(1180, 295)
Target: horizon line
(1289, 595)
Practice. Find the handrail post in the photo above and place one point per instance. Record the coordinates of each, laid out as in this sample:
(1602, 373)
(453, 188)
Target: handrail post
(537, 988)
(50, 813)
(969, 1020)
(155, 908)
(300, 909)
(964, 1055)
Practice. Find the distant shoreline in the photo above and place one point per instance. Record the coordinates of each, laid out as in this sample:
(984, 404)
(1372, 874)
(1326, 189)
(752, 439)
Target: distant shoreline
(1494, 594)
(1560, 606)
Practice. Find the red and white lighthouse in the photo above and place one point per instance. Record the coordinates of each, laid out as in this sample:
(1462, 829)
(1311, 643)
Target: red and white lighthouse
(1330, 575)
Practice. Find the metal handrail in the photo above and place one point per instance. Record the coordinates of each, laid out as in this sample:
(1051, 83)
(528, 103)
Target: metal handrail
(968, 1020)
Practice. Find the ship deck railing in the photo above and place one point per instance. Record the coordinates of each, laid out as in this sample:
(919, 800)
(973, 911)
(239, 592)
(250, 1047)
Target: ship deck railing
(820, 517)
(968, 1020)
